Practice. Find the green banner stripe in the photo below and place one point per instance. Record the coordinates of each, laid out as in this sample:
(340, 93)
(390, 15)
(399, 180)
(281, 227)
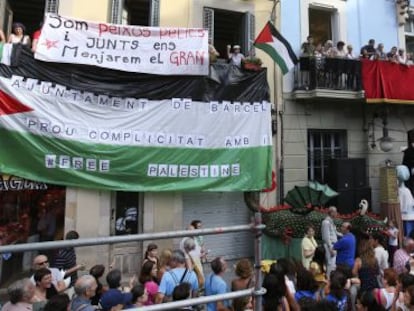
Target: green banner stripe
(127, 168)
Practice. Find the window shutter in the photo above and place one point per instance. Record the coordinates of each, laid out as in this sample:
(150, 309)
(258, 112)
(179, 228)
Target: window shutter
(116, 11)
(208, 22)
(155, 13)
(250, 33)
(52, 6)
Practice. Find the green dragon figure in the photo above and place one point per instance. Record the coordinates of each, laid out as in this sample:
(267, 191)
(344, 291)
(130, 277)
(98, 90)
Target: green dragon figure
(288, 222)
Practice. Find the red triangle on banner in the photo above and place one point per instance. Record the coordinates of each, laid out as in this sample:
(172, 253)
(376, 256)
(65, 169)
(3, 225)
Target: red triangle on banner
(10, 105)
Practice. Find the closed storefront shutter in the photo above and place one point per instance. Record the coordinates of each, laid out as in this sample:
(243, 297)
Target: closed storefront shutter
(219, 210)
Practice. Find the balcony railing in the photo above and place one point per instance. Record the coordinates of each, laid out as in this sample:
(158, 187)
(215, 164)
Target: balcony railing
(328, 73)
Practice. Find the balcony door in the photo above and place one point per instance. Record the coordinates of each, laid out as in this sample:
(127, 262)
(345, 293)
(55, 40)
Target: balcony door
(323, 24)
(136, 12)
(126, 218)
(227, 27)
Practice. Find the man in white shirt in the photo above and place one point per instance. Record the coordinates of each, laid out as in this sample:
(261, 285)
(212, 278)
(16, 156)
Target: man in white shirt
(329, 238)
(41, 261)
(380, 253)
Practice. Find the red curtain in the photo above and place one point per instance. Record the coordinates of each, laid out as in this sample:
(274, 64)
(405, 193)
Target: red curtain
(387, 82)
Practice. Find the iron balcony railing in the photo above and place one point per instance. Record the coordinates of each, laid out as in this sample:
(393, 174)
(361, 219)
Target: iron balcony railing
(328, 73)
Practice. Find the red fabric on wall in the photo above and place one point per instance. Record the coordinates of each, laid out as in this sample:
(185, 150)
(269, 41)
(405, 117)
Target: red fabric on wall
(387, 82)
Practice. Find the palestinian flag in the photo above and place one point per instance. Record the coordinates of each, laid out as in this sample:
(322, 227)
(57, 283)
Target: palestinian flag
(274, 44)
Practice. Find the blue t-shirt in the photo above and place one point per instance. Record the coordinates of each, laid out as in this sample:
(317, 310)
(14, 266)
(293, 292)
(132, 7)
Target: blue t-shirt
(215, 285)
(305, 294)
(341, 304)
(80, 303)
(172, 278)
(346, 250)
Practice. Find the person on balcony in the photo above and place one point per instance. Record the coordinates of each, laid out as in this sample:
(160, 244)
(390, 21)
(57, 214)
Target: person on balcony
(318, 51)
(212, 52)
(18, 35)
(370, 48)
(308, 48)
(327, 48)
(410, 59)
(365, 55)
(380, 54)
(236, 57)
(392, 55)
(36, 36)
(401, 57)
(350, 52)
(339, 51)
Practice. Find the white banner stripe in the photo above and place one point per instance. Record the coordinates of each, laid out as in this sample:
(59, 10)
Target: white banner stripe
(167, 123)
(283, 52)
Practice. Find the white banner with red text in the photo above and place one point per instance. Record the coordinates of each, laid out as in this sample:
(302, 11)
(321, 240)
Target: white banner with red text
(153, 50)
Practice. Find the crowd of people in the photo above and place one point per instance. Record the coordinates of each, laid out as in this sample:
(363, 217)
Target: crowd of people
(344, 271)
(342, 50)
(169, 275)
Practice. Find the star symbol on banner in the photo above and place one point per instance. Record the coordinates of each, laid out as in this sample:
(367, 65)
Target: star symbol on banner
(50, 43)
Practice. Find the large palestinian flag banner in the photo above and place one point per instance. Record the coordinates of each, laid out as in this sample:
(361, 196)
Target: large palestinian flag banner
(90, 127)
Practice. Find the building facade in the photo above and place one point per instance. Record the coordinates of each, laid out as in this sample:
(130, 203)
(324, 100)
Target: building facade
(95, 213)
(326, 120)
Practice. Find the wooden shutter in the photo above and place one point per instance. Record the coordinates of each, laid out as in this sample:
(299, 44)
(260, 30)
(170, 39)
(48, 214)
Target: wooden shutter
(155, 13)
(116, 11)
(250, 33)
(51, 6)
(208, 22)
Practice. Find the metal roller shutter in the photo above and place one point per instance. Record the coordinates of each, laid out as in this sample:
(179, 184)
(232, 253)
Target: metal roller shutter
(219, 210)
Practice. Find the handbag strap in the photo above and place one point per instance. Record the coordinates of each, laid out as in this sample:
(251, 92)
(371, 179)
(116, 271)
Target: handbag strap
(182, 278)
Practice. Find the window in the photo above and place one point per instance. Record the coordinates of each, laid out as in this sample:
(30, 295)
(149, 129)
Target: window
(29, 13)
(324, 145)
(126, 213)
(136, 12)
(229, 27)
(409, 34)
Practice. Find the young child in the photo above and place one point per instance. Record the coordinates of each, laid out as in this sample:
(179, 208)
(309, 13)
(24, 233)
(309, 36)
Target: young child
(392, 232)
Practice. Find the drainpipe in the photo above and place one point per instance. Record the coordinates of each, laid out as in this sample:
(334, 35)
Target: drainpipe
(278, 102)
(281, 184)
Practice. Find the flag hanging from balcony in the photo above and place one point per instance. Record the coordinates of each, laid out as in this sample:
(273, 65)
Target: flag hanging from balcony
(273, 43)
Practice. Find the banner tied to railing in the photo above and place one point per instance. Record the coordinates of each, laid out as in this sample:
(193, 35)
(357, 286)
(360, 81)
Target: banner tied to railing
(154, 50)
(61, 136)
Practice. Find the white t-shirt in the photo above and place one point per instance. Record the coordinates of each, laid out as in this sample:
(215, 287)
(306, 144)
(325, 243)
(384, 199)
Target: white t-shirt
(391, 240)
(235, 59)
